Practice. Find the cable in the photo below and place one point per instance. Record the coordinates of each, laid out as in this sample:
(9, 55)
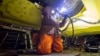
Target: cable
(72, 27)
(78, 19)
(68, 25)
(64, 28)
(90, 22)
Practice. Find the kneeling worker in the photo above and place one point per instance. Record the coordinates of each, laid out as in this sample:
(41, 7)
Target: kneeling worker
(49, 37)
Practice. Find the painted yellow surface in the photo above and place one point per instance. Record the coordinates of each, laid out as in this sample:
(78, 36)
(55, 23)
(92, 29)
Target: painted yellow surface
(21, 12)
(93, 8)
(90, 13)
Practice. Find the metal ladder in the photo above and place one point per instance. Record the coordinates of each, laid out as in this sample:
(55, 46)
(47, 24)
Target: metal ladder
(14, 40)
(16, 43)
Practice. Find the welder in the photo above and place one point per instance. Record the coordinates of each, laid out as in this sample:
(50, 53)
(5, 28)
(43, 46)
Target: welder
(49, 38)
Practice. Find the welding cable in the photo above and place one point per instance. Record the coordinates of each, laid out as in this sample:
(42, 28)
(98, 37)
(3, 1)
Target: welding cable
(78, 19)
(71, 22)
(90, 22)
(65, 27)
(72, 26)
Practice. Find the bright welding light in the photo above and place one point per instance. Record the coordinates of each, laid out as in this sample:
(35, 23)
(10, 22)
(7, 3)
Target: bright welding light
(63, 9)
(52, 11)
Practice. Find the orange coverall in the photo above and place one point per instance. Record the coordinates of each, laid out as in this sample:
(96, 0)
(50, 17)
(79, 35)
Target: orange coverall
(49, 37)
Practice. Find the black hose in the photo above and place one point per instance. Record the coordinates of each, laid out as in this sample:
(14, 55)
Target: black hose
(72, 27)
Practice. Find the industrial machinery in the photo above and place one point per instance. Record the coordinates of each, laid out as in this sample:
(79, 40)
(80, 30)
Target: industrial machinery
(92, 43)
(83, 16)
(28, 13)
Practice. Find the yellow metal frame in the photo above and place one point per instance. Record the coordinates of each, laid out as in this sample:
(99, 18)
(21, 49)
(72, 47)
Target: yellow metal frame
(27, 14)
(21, 12)
(90, 12)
